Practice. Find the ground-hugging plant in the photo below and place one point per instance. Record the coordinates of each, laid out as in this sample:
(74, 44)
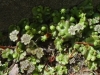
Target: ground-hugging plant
(48, 42)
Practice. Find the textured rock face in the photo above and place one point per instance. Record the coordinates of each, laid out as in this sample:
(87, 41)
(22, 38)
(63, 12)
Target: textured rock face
(11, 11)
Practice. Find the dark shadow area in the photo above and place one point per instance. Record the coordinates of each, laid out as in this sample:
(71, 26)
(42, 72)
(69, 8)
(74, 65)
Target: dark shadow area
(11, 11)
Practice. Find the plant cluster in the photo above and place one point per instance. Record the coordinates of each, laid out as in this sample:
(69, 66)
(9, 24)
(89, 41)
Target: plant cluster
(46, 43)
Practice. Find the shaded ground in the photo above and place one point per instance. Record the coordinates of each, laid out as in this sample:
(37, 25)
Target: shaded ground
(11, 11)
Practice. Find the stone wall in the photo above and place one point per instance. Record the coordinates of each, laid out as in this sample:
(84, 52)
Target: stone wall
(11, 11)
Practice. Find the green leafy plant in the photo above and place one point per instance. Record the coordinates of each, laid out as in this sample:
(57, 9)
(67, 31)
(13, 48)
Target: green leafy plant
(52, 40)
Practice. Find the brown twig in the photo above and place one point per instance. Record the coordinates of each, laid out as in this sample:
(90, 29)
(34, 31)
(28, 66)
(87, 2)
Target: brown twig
(4, 47)
(84, 43)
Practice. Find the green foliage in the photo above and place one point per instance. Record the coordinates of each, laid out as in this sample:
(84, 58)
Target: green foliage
(46, 43)
(62, 59)
(7, 54)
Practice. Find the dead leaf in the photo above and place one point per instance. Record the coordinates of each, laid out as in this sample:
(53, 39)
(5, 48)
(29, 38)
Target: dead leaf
(14, 70)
